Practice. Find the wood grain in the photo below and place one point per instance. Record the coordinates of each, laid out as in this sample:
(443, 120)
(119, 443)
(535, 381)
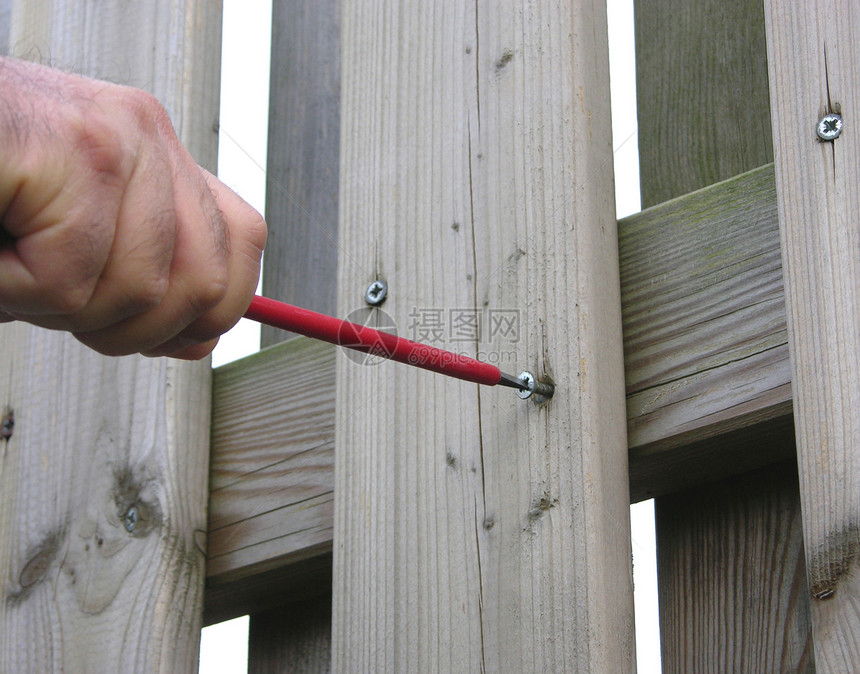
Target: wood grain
(301, 257)
(95, 438)
(303, 158)
(701, 89)
(814, 68)
(679, 359)
(703, 117)
(704, 320)
(732, 576)
(272, 465)
(475, 531)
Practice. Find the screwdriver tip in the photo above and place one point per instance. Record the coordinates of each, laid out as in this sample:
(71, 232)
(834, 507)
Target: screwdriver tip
(513, 382)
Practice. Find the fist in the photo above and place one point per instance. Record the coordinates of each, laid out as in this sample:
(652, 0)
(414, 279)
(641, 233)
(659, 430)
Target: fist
(110, 230)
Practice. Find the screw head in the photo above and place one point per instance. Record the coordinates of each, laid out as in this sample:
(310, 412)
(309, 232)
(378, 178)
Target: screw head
(8, 425)
(130, 519)
(529, 379)
(376, 293)
(829, 127)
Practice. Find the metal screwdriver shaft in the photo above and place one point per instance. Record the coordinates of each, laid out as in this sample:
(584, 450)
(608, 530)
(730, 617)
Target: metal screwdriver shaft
(375, 342)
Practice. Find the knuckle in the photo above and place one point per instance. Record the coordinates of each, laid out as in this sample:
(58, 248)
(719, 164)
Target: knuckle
(211, 293)
(149, 115)
(67, 301)
(148, 293)
(102, 148)
(209, 320)
(207, 289)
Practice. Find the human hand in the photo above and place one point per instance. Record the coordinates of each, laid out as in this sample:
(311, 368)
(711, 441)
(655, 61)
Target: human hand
(110, 230)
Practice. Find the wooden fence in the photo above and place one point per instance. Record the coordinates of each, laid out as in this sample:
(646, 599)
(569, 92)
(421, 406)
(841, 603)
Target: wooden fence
(375, 518)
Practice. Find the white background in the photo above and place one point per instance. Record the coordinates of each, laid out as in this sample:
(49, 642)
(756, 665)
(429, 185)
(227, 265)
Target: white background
(241, 162)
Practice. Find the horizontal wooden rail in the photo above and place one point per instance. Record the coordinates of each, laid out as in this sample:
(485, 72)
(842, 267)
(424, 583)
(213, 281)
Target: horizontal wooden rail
(271, 477)
(706, 361)
(705, 342)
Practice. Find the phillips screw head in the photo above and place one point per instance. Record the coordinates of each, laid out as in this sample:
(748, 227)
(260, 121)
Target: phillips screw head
(376, 293)
(529, 379)
(544, 391)
(130, 519)
(829, 127)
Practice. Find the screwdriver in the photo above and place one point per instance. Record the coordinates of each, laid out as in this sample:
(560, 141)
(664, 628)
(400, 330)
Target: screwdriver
(385, 345)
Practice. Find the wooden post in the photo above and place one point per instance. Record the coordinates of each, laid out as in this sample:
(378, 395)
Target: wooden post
(701, 94)
(5, 20)
(475, 531)
(301, 262)
(702, 65)
(303, 157)
(96, 439)
(732, 576)
(815, 69)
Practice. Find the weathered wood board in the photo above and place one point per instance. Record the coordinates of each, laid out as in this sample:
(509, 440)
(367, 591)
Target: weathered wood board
(303, 157)
(272, 470)
(734, 548)
(301, 259)
(741, 398)
(704, 321)
(475, 531)
(701, 90)
(5, 21)
(814, 68)
(100, 447)
(103, 481)
(704, 116)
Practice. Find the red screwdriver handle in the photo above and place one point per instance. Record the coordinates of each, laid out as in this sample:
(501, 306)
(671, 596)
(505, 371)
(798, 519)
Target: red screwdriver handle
(368, 340)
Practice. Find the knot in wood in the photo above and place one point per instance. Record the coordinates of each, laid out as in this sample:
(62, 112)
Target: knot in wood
(8, 424)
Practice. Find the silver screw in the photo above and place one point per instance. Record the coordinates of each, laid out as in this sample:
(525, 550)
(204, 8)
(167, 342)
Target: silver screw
(130, 520)
(829, 127)
(529, 379)
(376, 293)
(8, 425)
(534, 386)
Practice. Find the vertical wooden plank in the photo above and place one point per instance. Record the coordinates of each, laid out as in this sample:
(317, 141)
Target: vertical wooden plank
(5, 20)
(301, 254)
(475, 531)
(703, 116)
(815, 69)
(303, 157)
(717, 543)
(701, 87)
(97, 437)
